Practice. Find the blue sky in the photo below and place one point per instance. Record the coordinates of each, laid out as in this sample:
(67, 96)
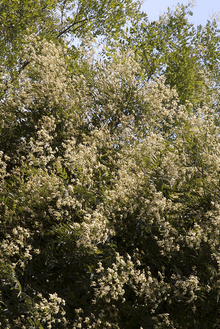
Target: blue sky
(202, 10)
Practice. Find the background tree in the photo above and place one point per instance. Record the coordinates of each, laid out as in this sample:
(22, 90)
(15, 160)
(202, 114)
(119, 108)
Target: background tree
(186, 55)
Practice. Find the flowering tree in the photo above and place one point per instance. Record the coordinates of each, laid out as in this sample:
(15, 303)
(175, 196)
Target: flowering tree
(109, 190)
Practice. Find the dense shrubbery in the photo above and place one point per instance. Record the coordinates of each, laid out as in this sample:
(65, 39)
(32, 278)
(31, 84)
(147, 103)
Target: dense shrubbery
(109, 167)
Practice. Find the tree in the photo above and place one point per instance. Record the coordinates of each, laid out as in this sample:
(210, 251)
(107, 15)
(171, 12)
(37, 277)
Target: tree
(109, 189)
(187, 56)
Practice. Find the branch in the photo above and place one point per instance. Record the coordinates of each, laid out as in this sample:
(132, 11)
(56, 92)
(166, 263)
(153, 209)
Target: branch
(83, 21)
(19, 72)
(22, 67)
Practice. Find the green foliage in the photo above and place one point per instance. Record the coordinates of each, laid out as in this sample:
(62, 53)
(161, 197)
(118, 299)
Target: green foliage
(185, 55)
(109, 168)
